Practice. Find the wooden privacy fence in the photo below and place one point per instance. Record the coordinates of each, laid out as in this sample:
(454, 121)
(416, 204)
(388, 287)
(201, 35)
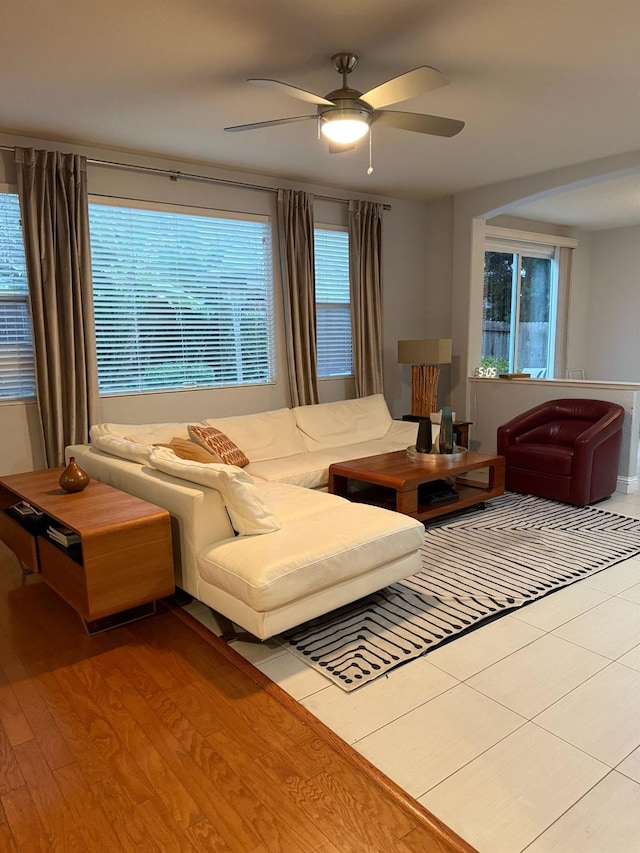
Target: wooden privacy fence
(533, 343)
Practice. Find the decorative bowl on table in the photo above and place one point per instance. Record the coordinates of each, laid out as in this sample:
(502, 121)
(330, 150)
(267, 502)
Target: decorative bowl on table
(434, 457)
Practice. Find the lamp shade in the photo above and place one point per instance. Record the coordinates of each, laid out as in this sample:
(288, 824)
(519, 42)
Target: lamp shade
(432, 351)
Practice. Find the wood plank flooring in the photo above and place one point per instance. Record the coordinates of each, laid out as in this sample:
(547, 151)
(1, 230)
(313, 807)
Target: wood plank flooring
(156, 736)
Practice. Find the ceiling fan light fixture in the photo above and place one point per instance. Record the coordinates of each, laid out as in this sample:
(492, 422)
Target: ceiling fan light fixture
(345, 126)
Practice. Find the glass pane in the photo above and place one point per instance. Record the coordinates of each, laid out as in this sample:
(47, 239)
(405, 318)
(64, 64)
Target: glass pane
(17, 368)
(333, 314)
(534, 316)
(496, 310)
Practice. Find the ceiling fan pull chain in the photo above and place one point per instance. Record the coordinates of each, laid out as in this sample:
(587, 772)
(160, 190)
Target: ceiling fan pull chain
(370, 169)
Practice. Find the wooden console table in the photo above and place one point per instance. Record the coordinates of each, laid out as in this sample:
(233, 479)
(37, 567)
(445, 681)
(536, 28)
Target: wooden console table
(123, 562)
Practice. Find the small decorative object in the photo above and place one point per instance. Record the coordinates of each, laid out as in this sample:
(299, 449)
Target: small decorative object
(74, 478)
(485, 372)
(424, 441)
(445, 440)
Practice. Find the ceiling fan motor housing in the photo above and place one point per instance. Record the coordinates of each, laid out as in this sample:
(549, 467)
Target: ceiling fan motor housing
(346, 105)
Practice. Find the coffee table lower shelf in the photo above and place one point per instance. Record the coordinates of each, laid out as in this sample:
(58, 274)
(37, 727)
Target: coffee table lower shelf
(393, 481)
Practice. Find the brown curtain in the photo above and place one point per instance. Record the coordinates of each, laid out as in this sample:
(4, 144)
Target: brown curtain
(52, 188)
(365, 273)
(295, 242)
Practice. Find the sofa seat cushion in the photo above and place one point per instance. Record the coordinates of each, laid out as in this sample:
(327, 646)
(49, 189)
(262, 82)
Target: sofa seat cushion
(264, 435)
(315, 552)
(291, 503)
(311, 469)
(343, 422)
(544, 458)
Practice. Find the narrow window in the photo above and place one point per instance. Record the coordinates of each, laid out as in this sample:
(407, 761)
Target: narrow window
(333, 298)
(17, 367)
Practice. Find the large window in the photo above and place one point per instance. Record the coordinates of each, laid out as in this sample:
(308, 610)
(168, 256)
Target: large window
(519, 307)
(333, 311)
(16, 337)
(183, 299)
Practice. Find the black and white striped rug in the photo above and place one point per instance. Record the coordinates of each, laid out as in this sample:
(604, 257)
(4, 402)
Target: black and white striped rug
(474, 568)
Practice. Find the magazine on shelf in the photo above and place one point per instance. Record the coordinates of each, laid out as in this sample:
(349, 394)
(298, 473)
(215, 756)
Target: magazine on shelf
(63, 535)
(25, 510)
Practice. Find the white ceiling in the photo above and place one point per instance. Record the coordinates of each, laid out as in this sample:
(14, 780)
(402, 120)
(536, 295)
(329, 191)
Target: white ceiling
(541, 84)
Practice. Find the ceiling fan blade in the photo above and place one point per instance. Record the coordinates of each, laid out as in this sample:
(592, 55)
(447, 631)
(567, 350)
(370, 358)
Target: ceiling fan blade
(258, 124)
(293, 91)
(434, 125)
(337, 148)
(408, 85)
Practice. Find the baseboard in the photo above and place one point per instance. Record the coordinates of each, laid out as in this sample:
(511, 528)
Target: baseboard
(628, 485)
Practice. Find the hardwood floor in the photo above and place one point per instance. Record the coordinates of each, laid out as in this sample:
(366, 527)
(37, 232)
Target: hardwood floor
(156, 736)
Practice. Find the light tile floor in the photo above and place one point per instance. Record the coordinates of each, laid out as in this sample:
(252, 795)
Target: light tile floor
(522, 735)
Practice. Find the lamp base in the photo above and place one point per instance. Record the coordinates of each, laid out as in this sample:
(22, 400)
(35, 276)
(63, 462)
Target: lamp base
(424, 389)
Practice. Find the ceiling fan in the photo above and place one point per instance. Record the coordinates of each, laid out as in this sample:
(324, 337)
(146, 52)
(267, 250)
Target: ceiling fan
(345, 115)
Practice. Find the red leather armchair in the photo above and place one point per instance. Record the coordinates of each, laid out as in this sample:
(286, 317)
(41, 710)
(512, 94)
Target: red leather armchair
(565, 450)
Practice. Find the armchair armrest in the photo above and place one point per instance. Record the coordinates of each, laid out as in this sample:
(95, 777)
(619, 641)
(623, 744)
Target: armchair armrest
(596, 455)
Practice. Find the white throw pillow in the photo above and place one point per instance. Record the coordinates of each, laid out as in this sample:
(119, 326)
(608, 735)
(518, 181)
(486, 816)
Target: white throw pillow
(247, 510)
(123, 447)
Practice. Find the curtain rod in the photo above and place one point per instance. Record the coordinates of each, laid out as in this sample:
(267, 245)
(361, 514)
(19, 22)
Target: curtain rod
(175, 175)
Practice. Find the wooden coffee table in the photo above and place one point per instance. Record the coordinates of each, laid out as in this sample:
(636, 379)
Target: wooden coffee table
(394, 480)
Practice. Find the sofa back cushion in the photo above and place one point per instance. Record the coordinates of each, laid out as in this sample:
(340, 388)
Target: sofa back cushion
(142, 433)
(343, 422)
(264, 435)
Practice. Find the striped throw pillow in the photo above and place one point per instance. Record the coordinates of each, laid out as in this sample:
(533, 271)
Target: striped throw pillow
(219, 443)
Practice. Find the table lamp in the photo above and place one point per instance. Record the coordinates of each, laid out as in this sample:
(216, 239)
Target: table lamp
(424, 356)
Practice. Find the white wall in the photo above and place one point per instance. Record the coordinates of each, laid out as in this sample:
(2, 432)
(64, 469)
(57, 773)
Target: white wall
(614, 306)
(405, 292)
(426, 312)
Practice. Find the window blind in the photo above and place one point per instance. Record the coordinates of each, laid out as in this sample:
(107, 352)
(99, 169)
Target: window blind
(17, 368)
(333, 311)
(182, 300)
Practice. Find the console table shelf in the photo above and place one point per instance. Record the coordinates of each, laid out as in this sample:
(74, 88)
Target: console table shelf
(123, 562)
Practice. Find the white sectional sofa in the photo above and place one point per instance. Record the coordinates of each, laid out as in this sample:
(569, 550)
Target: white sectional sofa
(266, 545)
